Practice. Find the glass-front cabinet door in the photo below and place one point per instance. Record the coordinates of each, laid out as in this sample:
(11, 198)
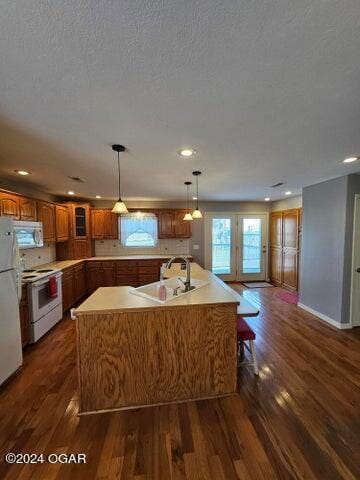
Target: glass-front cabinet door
(236, 246)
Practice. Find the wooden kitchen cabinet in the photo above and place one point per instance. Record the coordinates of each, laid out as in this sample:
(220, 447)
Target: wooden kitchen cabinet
(166, 224)
(68, 290)
(148, 271)
(182, 227)
(9, 205)
(62, 223)
(171, 224)
(79, 281)
(108, 273)
(94, 276)
(24, 317)
(46, 215)
(28, 210)
(276, 265)
(104, 224)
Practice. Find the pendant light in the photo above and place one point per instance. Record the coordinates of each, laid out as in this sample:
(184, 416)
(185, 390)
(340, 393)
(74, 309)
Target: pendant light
(119, 206)
(197, 213)
(188, 215)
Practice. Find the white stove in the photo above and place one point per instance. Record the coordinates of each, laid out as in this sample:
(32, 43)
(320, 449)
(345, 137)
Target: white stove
(45, 306)
(33, 274)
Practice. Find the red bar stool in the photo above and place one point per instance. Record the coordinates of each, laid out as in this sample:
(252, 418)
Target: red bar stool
(246, 334)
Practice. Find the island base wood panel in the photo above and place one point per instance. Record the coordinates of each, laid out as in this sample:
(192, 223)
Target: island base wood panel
(142, 358)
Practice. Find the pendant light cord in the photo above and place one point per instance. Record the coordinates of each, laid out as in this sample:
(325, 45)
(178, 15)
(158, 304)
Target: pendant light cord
(197, 193)
(119, 174)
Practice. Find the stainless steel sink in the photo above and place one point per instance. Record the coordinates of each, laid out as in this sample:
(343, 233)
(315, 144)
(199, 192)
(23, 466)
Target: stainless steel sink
(151, 291)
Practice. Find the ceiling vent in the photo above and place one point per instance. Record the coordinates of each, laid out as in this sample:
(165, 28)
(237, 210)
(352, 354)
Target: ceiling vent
(77, 179)
(276, 185)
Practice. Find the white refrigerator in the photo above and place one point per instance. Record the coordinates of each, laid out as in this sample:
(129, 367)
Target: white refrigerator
(10, 295)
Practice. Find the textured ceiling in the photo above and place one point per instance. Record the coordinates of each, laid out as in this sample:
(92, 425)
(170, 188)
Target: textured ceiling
(266, 91)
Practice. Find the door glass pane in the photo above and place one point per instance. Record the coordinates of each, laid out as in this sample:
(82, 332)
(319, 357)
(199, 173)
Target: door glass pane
(221, 245)
(251, 261)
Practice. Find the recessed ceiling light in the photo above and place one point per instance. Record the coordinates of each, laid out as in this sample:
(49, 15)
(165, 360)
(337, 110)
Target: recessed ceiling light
(288, 192)
(350, 159)
(22, 172)
(187, 152)
(267, 199)
(70, 192)
(97, 196)
(194, 198)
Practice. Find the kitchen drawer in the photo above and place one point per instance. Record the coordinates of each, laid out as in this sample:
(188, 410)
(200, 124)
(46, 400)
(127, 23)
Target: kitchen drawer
(127, 280)
(145, 279)
(148, 269)
(67, 273)
(126, 268)
(148, 263)
(93, 265)
(79, 268)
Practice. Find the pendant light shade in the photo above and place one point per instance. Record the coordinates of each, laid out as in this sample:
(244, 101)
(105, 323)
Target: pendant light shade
(187, 216)
(119, 206)
(197, 213)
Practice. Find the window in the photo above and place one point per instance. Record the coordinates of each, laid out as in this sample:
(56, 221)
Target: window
(139, 230)
(221, 245)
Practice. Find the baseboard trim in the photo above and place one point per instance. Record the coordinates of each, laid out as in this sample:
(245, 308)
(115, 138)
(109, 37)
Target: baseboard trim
(325, 318)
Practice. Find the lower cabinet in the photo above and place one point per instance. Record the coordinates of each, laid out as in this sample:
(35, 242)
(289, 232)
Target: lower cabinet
(100, 274)
(68, 291)
(79, 281)
(73, 285)
(24, 317)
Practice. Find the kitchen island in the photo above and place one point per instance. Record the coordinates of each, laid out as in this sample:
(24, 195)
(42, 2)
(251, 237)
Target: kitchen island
(134, 352)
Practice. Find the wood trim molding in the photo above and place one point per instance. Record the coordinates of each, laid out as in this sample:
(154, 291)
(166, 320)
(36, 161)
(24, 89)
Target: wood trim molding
(325, 318)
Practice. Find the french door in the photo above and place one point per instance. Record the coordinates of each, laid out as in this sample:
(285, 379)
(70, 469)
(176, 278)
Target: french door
(236, 246)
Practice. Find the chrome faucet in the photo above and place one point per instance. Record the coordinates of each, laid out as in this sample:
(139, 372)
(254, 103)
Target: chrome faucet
(187, 283)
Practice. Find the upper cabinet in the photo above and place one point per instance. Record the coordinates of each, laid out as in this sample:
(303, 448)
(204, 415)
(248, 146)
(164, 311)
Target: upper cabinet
(62, 223)
(80, 220)
(104, 224)
(173, 225)
(166, 219)
(18, 207)
(27, 209)
(9, 205)
(46, 215)
(182, 227)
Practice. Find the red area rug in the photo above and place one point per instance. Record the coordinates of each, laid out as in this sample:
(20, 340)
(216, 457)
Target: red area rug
(288, 297)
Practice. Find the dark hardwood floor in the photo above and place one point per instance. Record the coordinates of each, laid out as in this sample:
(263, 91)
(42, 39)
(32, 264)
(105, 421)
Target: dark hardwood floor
(300, 419)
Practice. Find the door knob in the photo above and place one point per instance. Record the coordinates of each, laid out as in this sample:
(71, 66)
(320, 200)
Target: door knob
(358, 270)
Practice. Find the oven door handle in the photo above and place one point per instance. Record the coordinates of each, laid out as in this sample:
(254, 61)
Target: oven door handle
(39, 283)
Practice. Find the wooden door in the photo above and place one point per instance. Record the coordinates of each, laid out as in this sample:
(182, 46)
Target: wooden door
(68, 291)
(46, 215)
(79, 281)
(94, 276)
(276, 265)
(81, 249)
(182, 227)
(290, 268)
(111, 225)
(27, 209)
(290, 222)
(62, 223)
(166, 222)
(109, 274)
(97, 224)
(9, 205)
(276, 229)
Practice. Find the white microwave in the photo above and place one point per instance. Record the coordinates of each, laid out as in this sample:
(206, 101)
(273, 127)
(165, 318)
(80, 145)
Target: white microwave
(29, 234)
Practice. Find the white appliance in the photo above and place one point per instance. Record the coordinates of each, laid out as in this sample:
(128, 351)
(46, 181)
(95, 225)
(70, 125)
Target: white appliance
(10, 296)
(45, 311)
(29, 234)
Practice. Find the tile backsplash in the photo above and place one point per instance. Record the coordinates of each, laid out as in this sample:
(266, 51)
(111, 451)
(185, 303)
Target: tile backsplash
(38, 256)
(163, 247)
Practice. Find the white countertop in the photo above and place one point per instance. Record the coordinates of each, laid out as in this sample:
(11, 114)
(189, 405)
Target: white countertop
(111, 299)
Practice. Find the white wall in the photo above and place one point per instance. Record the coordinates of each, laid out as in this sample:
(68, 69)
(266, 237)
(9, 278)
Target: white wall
(286, 203)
